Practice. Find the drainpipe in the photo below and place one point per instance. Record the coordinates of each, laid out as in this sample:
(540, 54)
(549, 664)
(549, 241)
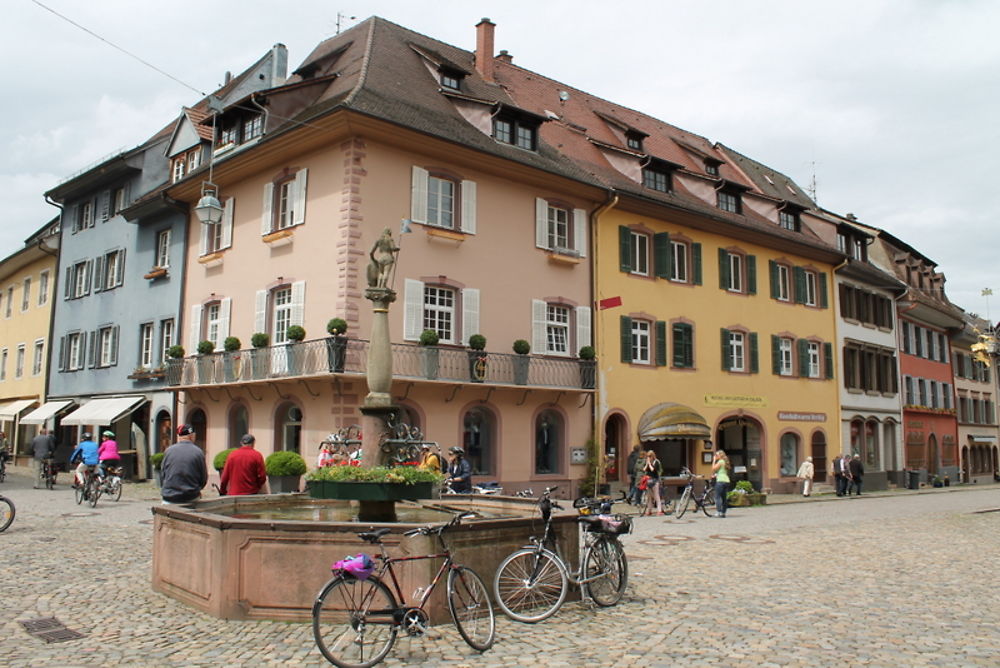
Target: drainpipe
(254, 102)
(596, 333)
(55, 284)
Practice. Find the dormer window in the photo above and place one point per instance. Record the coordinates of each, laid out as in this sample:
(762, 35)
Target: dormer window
(515, 131)
(633, 140)
(240, 129)
(253, 127)
(712, 167)
(451, 80)
(789, 220)
(729, 201)
(656, 179)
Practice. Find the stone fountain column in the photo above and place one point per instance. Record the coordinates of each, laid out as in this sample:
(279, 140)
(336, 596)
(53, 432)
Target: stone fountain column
(378, 403)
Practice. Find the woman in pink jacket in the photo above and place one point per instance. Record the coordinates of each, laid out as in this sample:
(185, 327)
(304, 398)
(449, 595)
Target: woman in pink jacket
(107, 453)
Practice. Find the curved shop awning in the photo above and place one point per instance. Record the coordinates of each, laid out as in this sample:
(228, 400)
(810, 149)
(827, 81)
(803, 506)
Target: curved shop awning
(15, 408)
(670, 420)
(45, 411)
(103, 411)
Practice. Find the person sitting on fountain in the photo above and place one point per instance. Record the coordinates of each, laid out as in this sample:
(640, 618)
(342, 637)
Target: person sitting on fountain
(429, 461)
(459, 472)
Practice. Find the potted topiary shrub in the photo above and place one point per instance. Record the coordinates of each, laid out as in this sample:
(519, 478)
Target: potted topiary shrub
(294, 351)
(156, 460)
(477, 358)
(260, 356)
(588, 368)
(206, 363)
(336, 345)
(521, 361)
(231, 360)
(429, 339)
(219, 461)
(284, 471)
(175, 364)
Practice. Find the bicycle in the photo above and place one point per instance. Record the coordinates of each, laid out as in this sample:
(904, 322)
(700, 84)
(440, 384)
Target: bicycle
(47, 472)
(110, 484)
(3, 464)
(532, 582)
(356, 619)
(89, 490)
(704, 500)
(7, 512)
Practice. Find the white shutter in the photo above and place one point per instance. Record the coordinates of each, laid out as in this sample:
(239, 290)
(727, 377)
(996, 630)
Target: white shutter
(538, 338)
(225, 308)
(418, 195)
(113, 361)
(470, 313)
(580, 231)
(413, 309)
(227, 223)
(469, 207)
(194, 331)
(266, 224)
(582, 327)
(120, 277)
(541, 223)
(301, 177)
(98, 273)
(298, 303)
(203, 250)
(260, 312)
(87, 271)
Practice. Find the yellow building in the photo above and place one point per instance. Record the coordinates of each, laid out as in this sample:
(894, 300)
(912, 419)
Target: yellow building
(27, 281)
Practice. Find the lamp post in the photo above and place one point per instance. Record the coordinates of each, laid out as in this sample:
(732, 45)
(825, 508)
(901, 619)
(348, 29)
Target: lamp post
(209, 208)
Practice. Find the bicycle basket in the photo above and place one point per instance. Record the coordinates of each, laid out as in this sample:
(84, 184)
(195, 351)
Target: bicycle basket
(614, 525)
(360, 566)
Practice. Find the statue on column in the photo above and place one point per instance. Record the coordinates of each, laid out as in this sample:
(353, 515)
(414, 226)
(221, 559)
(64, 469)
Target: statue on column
(383, 258)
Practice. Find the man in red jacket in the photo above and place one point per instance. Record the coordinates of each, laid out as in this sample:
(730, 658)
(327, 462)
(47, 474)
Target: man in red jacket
(244, 470)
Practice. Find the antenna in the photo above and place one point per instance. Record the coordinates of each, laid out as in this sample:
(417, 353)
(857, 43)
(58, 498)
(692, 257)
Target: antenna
(341, 17)
(812, 183)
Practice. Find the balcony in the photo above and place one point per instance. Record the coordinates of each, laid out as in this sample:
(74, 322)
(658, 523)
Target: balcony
(349, 357)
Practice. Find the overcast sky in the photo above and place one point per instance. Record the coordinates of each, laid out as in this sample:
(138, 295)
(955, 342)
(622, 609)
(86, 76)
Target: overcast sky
(893, 105)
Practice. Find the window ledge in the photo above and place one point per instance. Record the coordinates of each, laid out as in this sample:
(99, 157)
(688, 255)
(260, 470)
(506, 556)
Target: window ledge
(210, 260)
(561, 258)
(279, 238)
(446, 235)
(157, 272)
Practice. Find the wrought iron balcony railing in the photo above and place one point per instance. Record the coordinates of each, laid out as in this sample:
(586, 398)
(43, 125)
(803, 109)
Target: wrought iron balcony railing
(322, 357)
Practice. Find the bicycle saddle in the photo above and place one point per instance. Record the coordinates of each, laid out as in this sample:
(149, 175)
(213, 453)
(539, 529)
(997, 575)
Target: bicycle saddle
(374, 535)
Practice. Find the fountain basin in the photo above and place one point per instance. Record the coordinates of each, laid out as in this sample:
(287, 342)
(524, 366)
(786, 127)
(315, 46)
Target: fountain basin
(266, 557)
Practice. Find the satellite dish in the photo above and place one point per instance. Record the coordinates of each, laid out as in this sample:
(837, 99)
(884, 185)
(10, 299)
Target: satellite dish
(563, 95)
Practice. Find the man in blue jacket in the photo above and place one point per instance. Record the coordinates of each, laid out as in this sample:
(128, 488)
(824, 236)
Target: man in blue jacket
(86, 453)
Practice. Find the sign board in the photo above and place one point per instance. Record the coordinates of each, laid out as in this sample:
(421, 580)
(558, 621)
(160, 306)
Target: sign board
(738, 400)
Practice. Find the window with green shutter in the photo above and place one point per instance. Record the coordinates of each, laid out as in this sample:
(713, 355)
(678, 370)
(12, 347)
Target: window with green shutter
(661, 343)
(751, 274)
(723, 269)
(828, 359)
(823, 302)
(800, 285)
(803, 350)
(626, 339)
(696, 262)
(661, 255)
(776, 355)
(724, 335)
(754, 358)
(624, 248)
(683, 345)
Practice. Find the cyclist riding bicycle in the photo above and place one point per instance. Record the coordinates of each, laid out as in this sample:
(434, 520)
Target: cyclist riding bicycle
(43, 447)
(86, 453)
(107, 453)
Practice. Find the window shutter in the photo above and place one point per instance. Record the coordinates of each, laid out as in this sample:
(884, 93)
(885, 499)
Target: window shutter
(120, 277)
(661, 343)
(696, 262)
(260, 312)
(828, 359)
(227, 225)
(624, 248)
(418, 195)
(194, 331)
(105, 204)
(98, 276)
(68, 288)
(800, 285)
(751, 274)
(626, 339)
(298, 303)
(583, 327)
(772, 268)
(541, 223)
(845, 307)
(88, 268)
(754, 357)
(413, 309)
(267, 213)
(823, 302)
(724, 335)
(470, 313)
(91, 347)
(61, 360)
(723, 269)
(681, 344)
(469, 207)
(203, 243)
(114, 345)
(301, 182)
(803, 349)
(225, 309)
(776, 355)
(580, 231)
(662, 258)
(539, 341)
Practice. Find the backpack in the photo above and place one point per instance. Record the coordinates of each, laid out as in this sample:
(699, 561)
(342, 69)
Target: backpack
(444, 464)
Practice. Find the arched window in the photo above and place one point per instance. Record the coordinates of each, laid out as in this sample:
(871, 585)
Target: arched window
(548, 442)
(857, 436)
(288, 426)
(789, 454)
(164, 431)
(478, 429)
(199, 421)
(871, 445)
(890, 459)
(239, 423)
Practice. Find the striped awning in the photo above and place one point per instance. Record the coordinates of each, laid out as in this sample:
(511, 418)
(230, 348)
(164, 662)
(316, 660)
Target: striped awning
(669, 420)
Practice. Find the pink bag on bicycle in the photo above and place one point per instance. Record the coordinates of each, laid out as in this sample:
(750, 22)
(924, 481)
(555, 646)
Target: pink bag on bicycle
(360, 566)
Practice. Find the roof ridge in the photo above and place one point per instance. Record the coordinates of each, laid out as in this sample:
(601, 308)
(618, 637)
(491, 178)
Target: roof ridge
(365, 61)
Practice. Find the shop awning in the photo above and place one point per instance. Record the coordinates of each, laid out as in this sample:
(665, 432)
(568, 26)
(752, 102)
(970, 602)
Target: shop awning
(669, 420)
(975, 439)
(15, 408)
(45, 411)
(103, 411)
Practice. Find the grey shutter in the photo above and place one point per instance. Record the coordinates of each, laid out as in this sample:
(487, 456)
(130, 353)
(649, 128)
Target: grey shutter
(98, 273)
(120, 278)
(114, 345)
(68, 288)
(61, 360)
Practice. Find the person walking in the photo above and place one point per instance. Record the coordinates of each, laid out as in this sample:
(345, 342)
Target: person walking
(43, 447)
(652, 469)
(183, 473)
(840, 474)
(805, 474)
(244, 470)
(640, 464)
(721, 469)
(630, 464)
(857, 470)
(459, 472)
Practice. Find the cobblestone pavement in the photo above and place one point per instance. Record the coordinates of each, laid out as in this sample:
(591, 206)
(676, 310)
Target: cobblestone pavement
(890, 580)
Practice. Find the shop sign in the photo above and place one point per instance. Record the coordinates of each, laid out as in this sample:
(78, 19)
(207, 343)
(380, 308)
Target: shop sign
(738, 400)
(794, 416)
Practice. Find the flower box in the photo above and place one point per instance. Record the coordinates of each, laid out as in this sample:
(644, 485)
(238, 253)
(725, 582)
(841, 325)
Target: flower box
(156, 272)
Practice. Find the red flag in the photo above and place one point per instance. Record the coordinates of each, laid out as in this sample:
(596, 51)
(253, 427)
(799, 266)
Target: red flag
(610, 302)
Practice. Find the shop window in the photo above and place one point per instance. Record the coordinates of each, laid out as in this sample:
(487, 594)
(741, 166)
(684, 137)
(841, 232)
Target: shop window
(549, 434)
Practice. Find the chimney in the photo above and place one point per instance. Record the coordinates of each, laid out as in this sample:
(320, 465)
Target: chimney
(227, 78)
(484, 49)
(505, 57)
(279, 64)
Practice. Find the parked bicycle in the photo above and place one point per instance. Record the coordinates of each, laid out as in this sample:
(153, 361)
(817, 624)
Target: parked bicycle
(356, 616)
(4, 458)
(703, 500)
(7, 512)
(531, 583)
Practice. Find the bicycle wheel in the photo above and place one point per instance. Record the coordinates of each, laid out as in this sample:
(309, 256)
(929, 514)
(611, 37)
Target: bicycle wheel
(93, 492)
(708, 501)
(50, 478)
(353, 622)
(6, 513)
(606, 559)
(115, 488)
(682, 503)
(81, 492)
(530, 585)
(470, 607)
